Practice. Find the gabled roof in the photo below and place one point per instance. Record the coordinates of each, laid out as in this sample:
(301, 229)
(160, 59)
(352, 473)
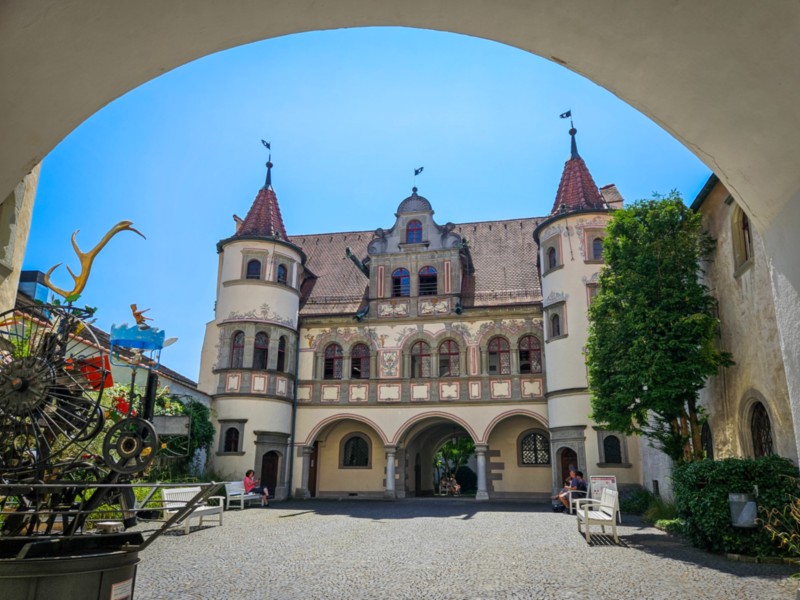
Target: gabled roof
(577, 189)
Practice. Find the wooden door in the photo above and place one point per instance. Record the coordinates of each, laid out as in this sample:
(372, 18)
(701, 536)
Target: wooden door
(568, 459)
(269, 470)
(312, 470)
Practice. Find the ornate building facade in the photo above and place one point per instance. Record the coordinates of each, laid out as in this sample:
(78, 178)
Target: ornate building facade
(334, 377)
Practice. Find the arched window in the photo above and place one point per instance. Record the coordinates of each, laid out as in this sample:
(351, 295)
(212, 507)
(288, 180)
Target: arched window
(281, 366)
(552, 258)
(555, 326)
(281, 276)
(414, 232)
(742, 237)
(499, 356)
(449, 359)
(530, 355)
(401, 283)
(260, 351)
(355, 452)
(359, 362)
(761, 430)
(420, 360)
(706, 441)
(333, 362)
(427, 281)
(231, 440)
(747, 240)
(237, 350)
(597, 248)
(253, 269)
(612, 451)
(534, 449)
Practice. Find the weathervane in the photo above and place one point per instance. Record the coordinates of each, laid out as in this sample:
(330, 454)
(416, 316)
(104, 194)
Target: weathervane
(268, 146)
(417, 172)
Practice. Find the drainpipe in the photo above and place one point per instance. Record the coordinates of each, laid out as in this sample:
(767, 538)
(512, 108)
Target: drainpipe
(294, 411)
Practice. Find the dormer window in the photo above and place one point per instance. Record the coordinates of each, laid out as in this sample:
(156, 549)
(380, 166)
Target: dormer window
(427, 281)
(282, 273)
(414, 232)
(401, 283)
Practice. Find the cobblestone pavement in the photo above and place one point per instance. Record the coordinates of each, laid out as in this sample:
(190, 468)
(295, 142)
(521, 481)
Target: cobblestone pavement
(436, 548)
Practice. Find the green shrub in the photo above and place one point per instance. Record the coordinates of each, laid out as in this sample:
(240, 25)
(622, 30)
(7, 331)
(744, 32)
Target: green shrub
(634, 500)
(660, 510)
(673, 526)
(701, 496)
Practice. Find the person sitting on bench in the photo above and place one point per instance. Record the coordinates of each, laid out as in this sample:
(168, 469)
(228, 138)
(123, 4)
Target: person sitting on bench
(251, 485)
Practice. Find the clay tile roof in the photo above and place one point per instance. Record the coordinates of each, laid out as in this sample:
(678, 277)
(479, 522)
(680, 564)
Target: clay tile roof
(264, 217)
(577, 190)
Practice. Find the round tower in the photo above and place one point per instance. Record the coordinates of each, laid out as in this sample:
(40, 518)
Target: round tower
(570, 244)
(249, 359)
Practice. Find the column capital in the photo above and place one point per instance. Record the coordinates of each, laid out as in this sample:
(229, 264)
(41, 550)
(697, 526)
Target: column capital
(481, 448)
(390, 449)
(306, 450)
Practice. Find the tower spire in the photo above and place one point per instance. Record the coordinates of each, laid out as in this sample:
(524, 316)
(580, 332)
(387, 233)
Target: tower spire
(573, 144)
(577, 190)
(268, 182)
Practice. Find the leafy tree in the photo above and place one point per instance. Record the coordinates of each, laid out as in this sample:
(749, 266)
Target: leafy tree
(453, 455)
(652, 326)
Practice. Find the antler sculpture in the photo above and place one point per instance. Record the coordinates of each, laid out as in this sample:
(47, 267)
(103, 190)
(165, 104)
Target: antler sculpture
(86, 260)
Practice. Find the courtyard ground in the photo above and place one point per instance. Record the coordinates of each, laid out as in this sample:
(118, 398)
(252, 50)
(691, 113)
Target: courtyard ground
(437, 548)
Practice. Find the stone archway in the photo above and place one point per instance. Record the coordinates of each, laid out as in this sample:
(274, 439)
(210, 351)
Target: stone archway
(721, 76)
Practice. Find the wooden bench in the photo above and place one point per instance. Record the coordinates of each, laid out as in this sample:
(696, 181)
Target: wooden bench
(176, 498)
(602, 512)
(234, 490)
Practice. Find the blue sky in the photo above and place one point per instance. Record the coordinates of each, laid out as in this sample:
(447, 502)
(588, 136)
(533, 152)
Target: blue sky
(350, 114)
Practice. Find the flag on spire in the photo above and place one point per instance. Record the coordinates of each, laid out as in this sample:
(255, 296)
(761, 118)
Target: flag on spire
(418, 171)
(266, 144)
(565, 115)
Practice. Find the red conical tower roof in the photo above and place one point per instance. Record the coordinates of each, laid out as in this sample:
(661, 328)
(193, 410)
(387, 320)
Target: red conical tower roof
(264, 218)
(577, 190)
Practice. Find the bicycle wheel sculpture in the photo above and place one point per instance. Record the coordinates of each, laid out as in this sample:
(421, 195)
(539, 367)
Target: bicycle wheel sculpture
(52, 372)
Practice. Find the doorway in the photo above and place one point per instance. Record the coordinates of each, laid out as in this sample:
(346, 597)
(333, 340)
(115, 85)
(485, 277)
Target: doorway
(417, 475)
(568, 459)
(269, 470)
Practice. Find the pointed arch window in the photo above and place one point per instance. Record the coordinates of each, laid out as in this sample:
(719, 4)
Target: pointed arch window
(534, 449)
(499, 356)
(597, 248)
(530, 355)
(706, 441)
(401, 283)
(333, 362)
(420, 360)
(231, 440)
(281, 366)
(761, 431)
(237, 350)
(359, 362)
(414, 232)
(260, 351)
(253, 269)
(427, 281)
(449, 356)
(282, 274)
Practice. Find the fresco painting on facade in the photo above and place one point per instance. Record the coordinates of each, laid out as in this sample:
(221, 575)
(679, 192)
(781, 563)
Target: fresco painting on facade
(504, 362)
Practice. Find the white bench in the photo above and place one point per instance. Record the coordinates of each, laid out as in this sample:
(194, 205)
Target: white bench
(176, 498)
(234, 490)
(602, 512)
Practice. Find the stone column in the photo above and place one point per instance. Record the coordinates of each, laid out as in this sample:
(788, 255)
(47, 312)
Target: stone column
(303, 491)
(389, 493)
(480, 453)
